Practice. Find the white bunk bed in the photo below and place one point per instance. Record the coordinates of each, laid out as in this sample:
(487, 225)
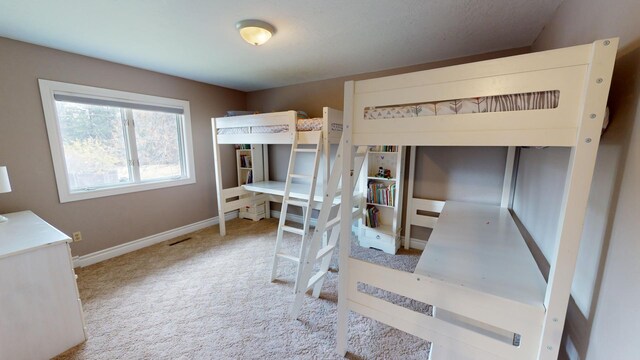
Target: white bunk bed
(269, 128)
(490, 299)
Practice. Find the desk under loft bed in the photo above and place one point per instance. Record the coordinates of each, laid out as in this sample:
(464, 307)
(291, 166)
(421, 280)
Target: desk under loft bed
(490, 300)
(269, 128)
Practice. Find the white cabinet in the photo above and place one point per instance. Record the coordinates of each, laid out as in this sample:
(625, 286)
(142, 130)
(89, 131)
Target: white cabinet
(40, 309)
(381, 185)
(250, 165)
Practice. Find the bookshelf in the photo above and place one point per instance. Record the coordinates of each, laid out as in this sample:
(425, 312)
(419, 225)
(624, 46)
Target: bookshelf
(381, 186)
(249, 164)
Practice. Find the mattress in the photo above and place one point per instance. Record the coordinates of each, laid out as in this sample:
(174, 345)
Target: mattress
(314, 124)
(499, 103)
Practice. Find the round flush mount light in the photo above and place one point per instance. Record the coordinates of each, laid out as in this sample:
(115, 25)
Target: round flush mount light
(255, 32)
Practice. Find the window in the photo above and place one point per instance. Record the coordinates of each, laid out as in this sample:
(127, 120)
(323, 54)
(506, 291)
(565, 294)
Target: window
(107, 142)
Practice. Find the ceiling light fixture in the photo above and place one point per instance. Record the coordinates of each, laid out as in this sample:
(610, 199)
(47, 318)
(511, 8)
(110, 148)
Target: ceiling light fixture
(255, 32)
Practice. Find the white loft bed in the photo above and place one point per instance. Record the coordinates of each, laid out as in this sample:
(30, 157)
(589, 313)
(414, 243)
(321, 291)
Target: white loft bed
(490, 299)
(269, 128)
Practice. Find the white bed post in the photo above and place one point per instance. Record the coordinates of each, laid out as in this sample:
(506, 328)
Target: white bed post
(507, 185)
(218, 175)
(407, 220)
(327, 149)
(346, 208)
(574, 204)
(265, 164)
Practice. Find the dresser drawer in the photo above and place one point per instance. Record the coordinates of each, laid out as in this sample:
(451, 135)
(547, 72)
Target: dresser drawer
(254, 213)
(380, 239)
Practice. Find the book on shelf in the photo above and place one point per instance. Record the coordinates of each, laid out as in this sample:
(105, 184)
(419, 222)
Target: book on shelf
(245, 161)
(381, 193)
(384, 148)
(249, 177)
(372, 216)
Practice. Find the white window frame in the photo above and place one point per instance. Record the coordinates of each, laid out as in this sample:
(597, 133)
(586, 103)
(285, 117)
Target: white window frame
(47, 90)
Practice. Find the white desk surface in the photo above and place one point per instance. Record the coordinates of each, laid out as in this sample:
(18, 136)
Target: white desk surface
(25, 231)
(479, 246)
(298, 191)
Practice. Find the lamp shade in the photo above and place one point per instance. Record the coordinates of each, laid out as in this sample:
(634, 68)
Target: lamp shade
(255, 32)
(5, 186)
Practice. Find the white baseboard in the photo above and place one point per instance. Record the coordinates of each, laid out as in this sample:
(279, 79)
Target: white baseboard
(98, 256)
(417, 244)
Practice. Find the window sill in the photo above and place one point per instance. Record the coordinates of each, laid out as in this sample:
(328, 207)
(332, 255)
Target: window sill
(123, 189)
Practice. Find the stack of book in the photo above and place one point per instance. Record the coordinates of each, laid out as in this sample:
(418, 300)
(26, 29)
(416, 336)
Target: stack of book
(381, 193)
(372, 217)
(245, 161)
(384, 148)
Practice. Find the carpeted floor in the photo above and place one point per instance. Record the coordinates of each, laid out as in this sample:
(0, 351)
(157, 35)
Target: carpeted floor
(210, 298)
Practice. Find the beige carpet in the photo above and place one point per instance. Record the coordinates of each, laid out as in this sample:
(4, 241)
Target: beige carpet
(210, 298)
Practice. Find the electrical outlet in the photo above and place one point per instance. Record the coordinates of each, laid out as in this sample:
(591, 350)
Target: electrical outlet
(77, 236)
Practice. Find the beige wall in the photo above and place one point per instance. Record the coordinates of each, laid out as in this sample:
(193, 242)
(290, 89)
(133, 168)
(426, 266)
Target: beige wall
(461, 174)
(602, 317)
(108, 221)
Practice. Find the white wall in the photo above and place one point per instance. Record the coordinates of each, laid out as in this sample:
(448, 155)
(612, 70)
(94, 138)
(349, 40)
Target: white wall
(603, 316)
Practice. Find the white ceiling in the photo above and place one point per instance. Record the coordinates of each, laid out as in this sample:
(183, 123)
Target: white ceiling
(315, 39)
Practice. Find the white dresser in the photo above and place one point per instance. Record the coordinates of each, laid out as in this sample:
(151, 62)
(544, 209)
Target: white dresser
(40, 309)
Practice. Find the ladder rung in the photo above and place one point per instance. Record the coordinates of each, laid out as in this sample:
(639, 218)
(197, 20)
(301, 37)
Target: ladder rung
(300, 176)
(297, 203)
(302, 197)
(288, 257)
(325, 251)
(306, 150)
(315, 278)
(333, 222)
(293, 230)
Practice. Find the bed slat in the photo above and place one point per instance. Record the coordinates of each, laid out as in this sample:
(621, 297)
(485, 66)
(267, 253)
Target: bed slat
(499, 312)
(445, 337)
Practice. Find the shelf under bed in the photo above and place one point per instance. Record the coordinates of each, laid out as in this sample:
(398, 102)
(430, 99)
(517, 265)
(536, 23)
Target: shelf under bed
(298, 191)
(479, 247)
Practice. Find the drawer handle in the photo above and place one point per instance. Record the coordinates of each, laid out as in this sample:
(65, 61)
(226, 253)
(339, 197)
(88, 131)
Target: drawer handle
(378, 237)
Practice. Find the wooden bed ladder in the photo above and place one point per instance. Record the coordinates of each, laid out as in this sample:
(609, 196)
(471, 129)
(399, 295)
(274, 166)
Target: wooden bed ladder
(318, 252)
(305, 201)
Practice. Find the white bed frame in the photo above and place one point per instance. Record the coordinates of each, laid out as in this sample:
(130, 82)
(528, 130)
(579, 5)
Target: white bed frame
(476, 269)
(232, 199)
